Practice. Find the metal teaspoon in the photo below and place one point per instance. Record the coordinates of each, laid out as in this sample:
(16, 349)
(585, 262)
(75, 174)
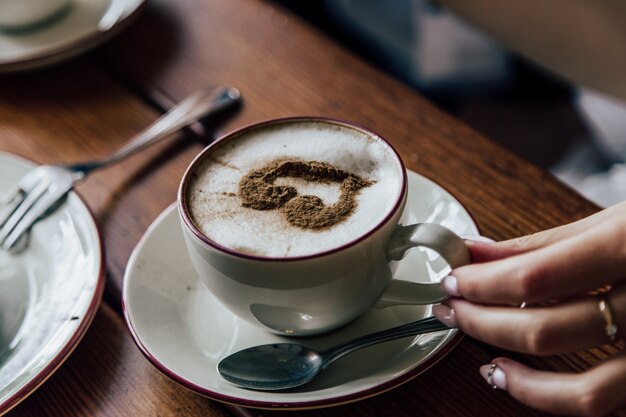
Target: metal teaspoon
(280, 366)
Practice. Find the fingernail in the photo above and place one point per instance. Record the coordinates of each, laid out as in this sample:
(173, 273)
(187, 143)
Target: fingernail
(445, 315)
(451, 286)
(494, 376)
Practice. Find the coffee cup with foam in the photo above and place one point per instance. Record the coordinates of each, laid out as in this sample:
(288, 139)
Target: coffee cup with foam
(294, 224)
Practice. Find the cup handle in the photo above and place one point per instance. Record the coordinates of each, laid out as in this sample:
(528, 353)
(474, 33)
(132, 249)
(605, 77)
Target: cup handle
(448, 244)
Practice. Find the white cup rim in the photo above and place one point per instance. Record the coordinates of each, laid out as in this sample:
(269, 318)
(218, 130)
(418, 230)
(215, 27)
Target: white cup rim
(184, 211)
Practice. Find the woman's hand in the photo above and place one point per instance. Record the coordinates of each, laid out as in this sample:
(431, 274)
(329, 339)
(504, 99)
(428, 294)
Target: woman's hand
(552, 274)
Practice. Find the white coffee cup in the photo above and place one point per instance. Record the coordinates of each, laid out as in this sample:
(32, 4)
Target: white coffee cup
(315, 293)
(18, 14)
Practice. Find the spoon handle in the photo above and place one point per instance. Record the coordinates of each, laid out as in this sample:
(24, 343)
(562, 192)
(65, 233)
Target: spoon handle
(196, 106)
(427, 325)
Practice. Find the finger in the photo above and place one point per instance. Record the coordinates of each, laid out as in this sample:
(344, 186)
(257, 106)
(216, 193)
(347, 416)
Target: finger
(487, 251)
(483, 249)
(570, 267)
(566, 327)
(595, 392)
(547, 237)
(484, 252)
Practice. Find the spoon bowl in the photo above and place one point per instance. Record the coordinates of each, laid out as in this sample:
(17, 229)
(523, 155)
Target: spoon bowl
(272, 367)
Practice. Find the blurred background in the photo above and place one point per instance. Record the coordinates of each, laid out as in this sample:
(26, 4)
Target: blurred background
(577, 134)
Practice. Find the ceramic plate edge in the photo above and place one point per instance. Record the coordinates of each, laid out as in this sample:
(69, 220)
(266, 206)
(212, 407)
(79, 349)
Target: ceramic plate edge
(49, 370)
(74, 49)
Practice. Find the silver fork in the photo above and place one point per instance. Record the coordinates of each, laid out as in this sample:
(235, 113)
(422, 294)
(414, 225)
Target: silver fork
(43, 189)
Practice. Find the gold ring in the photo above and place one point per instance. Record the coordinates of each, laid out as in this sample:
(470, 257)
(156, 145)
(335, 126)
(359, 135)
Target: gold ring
(607, 313)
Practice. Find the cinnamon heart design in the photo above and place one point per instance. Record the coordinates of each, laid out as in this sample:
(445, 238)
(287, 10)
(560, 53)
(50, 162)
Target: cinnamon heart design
(258, 191)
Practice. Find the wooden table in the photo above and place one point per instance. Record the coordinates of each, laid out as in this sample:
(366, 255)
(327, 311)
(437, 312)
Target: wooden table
(283, 66)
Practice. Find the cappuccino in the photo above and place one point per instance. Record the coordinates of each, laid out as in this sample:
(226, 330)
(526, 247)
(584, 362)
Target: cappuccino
(294, 188)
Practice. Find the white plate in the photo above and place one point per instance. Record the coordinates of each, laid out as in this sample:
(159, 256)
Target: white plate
(85, 25)
(49, 294)
(184, 331)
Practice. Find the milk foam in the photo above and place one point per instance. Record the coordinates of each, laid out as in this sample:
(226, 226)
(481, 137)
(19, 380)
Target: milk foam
(217, 211)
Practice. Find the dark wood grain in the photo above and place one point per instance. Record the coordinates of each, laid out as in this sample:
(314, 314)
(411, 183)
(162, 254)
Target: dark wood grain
(86, 108)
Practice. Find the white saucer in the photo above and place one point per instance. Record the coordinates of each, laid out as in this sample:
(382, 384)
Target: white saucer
(184, 331)
(48, 294)
(85, 25)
